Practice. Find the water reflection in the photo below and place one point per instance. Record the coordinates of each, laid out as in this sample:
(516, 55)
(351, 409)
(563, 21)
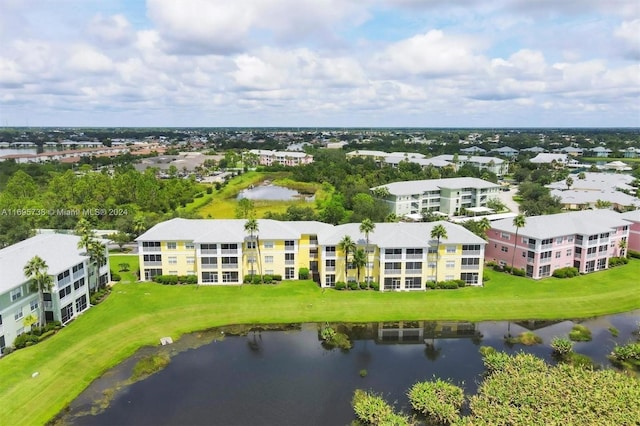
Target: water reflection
(281, 374)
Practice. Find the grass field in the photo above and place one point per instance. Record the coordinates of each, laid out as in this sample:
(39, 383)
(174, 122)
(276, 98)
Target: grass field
(135, 315)
(132, 260)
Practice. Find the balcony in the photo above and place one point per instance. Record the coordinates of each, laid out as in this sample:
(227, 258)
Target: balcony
(470, 267)
(229, 266)
(413, 271)
(393, 256)
(545, 260)
(330, 254)
(313, 243)
(471, 252)
(208, 251)
(393, 271)
(229, 251)
(289, 248)
(78, 274)
(591, 255)
(531, 246)
(48, 306)
(546, 246)
(330, 268)
(209, 266)
(289, 262)
(151, 249)
(414, 256)
(151, 263)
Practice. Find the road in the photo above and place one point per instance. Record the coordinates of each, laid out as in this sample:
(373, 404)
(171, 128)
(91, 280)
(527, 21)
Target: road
(507, 198)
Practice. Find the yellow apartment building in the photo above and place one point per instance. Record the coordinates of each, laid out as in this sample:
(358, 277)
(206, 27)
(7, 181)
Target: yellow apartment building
(400, 256)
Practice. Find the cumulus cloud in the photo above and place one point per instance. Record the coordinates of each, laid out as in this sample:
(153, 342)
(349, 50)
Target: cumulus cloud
(113, 30)
(629, 34)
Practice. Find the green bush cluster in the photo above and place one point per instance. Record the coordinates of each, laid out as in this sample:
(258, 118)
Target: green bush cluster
(446, 285)
(527, 338)
(438, 400)
(617, 261)
(562, 347)
(568, 272)
(99, 296)
(353, 285)
(580, 333)
(371, 409)
(506, 268)
(35, 335)
(25, 339)
(634, 254)
(175, 279)
(334, 339)
(627, 355)
(303, 273)
(262, 279)
(115, 276)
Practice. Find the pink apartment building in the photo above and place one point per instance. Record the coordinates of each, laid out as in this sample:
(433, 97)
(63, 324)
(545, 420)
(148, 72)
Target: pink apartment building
(583, 239)
(634, 230)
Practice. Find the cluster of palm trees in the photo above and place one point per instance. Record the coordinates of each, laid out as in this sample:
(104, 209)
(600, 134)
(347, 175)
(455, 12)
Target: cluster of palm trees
(359, 257)
(252, 227)
(93, 248)
(36, 271)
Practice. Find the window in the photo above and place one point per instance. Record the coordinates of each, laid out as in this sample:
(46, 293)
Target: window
(152, 259)
(602, 263)
(189, 246)
(593, 237)
(505, 236)
(570, 239)
(64, 278)
(413, 266)
(392, 267)
(569, 251)
(470, 261)
(150, 273)
(578, 250)
(33, 305)
(470, 278)
(330, 264)
(229, 248)
(209, 277)
(81, 303)
(79, 283)
(208, 248)
(172, 245)
(451, 249)
(393, 253)
(545, 255)
(78, 270)
(64, 292)
(451, 264)
(413, 283)
(330, 280)
(558, 254)
(591, 250)
(229, 277)
(289, 244)
(251, 245)
(268, 244)
(209, 262)
(504, 249)
(151, 245)
(330, 251)
(392, 283)
(559, 240)
(289, 273)
(173, 260)
(18, 315)
(66, 313)
(16, 294)
(547, 241)
(229, 262)
(289, 258)
(433, 250)
(2, 344)
(604, 235)
(471, 247)
(414, 253)
(603, 249)
(544, 271)
(191, 260)
(268, 259)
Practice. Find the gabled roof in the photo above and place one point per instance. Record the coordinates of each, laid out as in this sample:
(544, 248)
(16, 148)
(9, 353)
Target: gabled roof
(473, 149)
(632, 216)
(419, 186)
(59, 251)
(586, 222)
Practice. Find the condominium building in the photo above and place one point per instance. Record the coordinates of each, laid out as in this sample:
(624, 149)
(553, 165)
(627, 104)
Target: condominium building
(401, 256)
(284, 158)
(447, 196)
(584, 239)
(69, 296)
(633, 217)
(495, 165)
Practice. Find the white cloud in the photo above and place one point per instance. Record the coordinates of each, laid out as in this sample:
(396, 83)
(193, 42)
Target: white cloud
(629, 33)
(86, 59)
(113, 30)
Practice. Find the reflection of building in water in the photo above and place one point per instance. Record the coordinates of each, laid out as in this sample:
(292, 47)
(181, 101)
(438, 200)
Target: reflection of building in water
(534, 325)
(419, 331)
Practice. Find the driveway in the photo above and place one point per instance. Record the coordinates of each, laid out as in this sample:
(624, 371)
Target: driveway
(507, 198)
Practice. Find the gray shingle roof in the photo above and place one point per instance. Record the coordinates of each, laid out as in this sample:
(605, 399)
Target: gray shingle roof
(587, 222)
(419, 186)
(59, 251)
(633, 216)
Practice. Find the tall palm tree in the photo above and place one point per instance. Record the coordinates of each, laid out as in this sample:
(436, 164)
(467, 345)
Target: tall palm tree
(251, 226)
(484, 225)
(518, 221)
(97, 258)
(438, 232)
(347, 246)
(569, 182)
(41, 281)
(622, 245)
(139, 225)
(366, 227)
(359, 260)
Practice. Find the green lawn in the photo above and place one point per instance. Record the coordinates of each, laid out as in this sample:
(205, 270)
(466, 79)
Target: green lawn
(135, 315)
(130, 276)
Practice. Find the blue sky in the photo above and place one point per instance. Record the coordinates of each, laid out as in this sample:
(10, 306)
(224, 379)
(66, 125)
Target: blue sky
(418, 63)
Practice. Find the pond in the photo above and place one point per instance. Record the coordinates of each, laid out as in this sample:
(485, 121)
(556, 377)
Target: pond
(272, 192)
(282, 375)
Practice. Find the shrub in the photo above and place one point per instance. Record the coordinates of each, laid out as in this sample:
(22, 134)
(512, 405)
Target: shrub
(494, 360)
(374, 286)
(431, 284)
(498, 268)
(485, 278)
(25, 339)
(115, 276)
(448, 284)
(277, 277)
(373, 410)
(580, 333)
(268, 279)
(561, 347)
(209, 190)
(440, 401)
(461, 283)
(617, 261)
(46, 335)
(518, 272)
(568, 272)
(303, 273)
(192, 279)
(353, 285)
(633, 254)
(340, 285)
(363, 285)
(626, 355)
(490, 264)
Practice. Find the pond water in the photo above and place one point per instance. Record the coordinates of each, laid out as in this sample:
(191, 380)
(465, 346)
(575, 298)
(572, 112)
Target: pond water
(245, 375)
(271, 192)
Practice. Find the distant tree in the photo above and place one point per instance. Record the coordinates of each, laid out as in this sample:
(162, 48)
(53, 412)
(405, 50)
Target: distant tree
(120, 238)
(569, 182)
(245, 208)
(582, 176)
(602, 204)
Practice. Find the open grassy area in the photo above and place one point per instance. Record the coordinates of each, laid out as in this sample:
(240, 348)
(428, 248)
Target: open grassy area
(132, 260)
(222, 204)
(135, 315)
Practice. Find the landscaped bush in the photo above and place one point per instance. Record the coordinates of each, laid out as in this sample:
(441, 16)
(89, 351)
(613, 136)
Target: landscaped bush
(25, 339)
(353, 285)
(340, 285)
(277, 277)
(617, 261)
(363, 285)
(432, 285)
(374, 286)
(449, 285)
(46, 335)
(439, 401)
(518, 272)
(634, 254)
(580, 333)
(99, 296)
(175, 279)
(303, 273)
(568, 272)
(268, 279)
(490, 264)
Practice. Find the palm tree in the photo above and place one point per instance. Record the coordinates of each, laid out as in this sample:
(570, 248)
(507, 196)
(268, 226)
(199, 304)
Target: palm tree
(139, 225)
(366, 227)
(359, 260)
(518, 221)
(569, 182)
(97, 258)
(346, 245)
(438, 232)
(484, 225)
(622, 245)
(251, 226)
(36, 271)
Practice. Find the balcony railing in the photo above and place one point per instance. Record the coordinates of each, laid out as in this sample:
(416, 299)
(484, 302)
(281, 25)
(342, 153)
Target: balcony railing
(393, 256)
(330, 254)
(289, 262)
(313, 242)
(289, 248)
(392, 271)
(413, 271)
(546, 246)
(78, 274)
(330, 268)
(468, 267)
(545, 260)
(209, 266)
(471, 252)
(151, 249)
(229, 251)
(229, 266)
(414, 256)
(209, 251)
(48, 306)
(152, 263)
(591, 255)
